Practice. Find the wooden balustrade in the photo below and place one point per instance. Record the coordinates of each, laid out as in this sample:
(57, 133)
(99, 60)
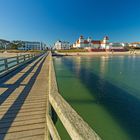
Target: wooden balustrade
(7, 64)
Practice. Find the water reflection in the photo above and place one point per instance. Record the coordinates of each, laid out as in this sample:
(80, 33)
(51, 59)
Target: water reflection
(118, 101)
(103, 65)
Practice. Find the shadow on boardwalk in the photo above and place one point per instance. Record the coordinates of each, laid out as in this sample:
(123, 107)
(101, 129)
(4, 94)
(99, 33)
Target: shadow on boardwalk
(118, 102)
(8, 117)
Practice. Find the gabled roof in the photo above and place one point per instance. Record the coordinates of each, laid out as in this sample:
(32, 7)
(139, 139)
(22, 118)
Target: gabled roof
(96, 42)
(86, 42)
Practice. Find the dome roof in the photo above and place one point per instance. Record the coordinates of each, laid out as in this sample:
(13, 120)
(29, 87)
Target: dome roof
(81, 37)
(106, 37)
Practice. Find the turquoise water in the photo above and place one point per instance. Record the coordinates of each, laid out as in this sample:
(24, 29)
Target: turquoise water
(105, 91)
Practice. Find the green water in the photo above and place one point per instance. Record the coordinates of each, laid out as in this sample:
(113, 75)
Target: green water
(105, 91)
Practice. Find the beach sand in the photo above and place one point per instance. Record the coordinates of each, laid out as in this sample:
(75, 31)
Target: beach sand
(6, 54)
(97, 53)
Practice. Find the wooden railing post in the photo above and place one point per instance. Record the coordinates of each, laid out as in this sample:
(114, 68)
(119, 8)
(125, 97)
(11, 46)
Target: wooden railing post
(28, 56)
(17, 59)
(6, 64)
(24, 57)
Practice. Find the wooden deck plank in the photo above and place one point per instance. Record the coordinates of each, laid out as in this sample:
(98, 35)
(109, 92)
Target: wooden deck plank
(24, 134)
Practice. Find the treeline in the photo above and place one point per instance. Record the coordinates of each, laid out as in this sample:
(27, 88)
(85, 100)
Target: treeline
(10, 46)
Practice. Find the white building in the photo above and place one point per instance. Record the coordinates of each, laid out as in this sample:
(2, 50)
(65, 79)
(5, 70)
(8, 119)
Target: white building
(101, 45)
(32, 45)
(61, 45)
(135, 44)
(89, 43)
(27, 45)
(125, 44)
(118, 46)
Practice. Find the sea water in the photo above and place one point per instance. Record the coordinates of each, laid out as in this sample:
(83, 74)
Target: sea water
(105, 91)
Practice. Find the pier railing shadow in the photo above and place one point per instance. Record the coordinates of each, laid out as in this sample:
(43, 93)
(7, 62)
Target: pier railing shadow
(119, 103)
(16, 106)
(12, 87)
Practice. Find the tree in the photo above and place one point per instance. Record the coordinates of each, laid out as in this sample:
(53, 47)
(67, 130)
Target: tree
(15, 46)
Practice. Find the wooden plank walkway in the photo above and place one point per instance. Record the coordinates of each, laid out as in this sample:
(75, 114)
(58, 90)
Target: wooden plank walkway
(23, 97)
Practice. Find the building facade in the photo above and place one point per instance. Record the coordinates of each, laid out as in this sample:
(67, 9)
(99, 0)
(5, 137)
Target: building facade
(89, 43)
(99, 45)
(116, 46)
(27, 45)
(135, 44)
(61, 45)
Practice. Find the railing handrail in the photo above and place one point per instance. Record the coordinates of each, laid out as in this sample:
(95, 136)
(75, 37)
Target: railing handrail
(76, 127)
(18, 60)
(13, 57)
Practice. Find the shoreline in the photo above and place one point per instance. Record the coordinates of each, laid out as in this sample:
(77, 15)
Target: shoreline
(96, 53)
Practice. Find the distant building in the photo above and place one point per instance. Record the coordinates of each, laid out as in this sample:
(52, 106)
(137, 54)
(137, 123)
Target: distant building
(27, 45)
(61, 45)
(135, 44)
(89, 43)
(126, 44)
(117, 46)
(99, 45)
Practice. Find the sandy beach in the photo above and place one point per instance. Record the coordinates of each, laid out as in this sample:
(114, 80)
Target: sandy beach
(97, 53)
(6, 54)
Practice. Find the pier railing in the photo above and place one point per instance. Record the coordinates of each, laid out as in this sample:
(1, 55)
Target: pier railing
(76, 127)
(7, 64)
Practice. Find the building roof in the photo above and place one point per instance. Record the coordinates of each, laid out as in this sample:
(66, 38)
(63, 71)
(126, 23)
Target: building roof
(92, 41)
(96, 42)
(86, 42)
(81, 37)
(106, 37)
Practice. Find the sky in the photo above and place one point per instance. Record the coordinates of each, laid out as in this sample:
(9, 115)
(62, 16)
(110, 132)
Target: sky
(51, 20)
